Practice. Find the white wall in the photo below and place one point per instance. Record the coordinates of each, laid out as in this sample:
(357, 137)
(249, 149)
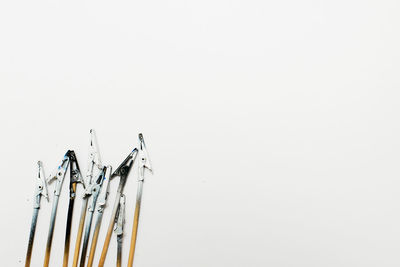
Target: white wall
(273, 126)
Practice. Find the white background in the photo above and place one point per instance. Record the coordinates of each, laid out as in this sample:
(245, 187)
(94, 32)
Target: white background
(273, 126)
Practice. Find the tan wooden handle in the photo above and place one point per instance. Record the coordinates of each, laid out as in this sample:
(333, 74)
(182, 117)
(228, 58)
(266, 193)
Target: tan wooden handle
(134, 234)
(80, 231)
(109, 231)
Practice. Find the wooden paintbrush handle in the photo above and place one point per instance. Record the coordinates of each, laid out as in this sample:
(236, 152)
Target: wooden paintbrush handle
(134, 234)
(80, 231)
(109, 231)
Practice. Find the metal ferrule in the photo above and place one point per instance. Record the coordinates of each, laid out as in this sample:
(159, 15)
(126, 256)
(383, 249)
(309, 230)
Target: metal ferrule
(95, 191)
(75, 175)
(120, 218)
(40, 187)
(124, 168)
(59, 174)
(144, 162)
(102, 198)
(94, 167)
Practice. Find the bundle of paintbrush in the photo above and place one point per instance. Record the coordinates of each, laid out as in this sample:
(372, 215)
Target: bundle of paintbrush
(95, 186)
